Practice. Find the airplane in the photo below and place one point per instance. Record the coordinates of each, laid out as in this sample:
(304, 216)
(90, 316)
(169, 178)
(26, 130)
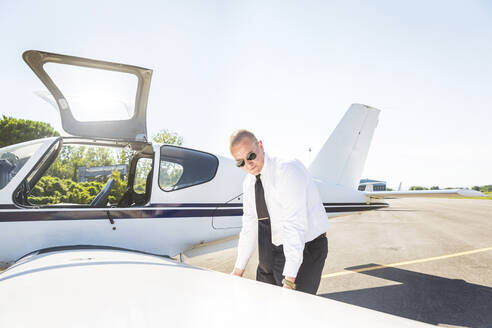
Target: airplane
(102, 264)
(106, 287)
(191, 197)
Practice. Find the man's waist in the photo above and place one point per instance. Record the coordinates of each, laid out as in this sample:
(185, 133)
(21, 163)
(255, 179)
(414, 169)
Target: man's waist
(280, 247)
(323, 235)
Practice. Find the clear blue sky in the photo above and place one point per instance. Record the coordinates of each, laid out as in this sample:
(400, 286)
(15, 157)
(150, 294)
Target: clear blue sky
(288, 70)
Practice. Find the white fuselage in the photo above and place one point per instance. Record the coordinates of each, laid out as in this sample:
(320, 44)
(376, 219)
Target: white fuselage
(177, 219)
(171, 223)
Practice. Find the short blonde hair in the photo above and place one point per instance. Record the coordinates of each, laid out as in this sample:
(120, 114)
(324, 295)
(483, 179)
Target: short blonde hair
(239, 135)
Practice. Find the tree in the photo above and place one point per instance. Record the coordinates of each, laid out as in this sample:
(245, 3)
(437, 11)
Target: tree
(434, 188)
(71, 158)
(417, 188)
(167, 137)
(16, 130)
(125, 155)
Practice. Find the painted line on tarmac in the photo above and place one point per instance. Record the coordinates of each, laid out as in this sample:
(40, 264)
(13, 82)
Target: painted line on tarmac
(377, 267)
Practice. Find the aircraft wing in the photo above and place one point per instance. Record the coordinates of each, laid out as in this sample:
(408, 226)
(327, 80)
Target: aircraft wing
(119, 288)
(425, 193)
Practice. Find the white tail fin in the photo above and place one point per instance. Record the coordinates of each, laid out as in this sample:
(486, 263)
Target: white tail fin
(344, 154)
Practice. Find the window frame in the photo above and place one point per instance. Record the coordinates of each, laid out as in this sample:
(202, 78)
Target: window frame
(41, 143)
(138, 157)
(189, 149)
(23, 190)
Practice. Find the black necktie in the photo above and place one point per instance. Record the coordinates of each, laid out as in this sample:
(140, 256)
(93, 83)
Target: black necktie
(264, 228)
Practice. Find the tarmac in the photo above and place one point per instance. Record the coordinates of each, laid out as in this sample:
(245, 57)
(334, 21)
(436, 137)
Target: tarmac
(424, 259)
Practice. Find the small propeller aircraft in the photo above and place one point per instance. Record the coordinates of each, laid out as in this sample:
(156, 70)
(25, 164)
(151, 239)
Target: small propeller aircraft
(103, 264)
(191, 197)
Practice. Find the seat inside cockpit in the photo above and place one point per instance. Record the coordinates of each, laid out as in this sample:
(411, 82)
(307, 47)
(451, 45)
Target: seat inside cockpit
(84, 174)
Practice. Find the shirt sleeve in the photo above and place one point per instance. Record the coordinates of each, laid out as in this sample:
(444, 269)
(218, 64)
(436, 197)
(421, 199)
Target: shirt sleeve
(249, 230)
(293, 196)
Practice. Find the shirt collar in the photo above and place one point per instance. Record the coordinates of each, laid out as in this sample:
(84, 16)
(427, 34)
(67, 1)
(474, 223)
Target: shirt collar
(266, 165)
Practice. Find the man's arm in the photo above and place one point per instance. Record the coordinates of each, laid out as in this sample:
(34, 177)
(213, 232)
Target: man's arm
(293, 197)
(248, 235)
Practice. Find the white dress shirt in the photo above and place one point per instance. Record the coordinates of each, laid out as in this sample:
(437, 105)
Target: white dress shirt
(297, 214)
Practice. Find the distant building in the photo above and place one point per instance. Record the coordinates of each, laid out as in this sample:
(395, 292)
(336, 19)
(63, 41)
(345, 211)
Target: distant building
(376, 185)
(95, 172)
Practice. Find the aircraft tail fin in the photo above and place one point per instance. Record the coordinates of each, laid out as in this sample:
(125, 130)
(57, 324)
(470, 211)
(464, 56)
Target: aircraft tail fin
(342, 157)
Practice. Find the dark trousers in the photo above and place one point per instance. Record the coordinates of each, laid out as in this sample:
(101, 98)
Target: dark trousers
(309, 274)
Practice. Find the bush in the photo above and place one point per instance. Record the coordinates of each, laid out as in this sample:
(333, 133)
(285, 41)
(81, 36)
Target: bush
(52, 190)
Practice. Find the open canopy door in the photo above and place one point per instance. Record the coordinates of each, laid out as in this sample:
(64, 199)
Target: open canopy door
(99, 99)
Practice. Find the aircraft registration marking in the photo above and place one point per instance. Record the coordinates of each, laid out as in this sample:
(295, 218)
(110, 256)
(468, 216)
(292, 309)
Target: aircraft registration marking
(392, 265)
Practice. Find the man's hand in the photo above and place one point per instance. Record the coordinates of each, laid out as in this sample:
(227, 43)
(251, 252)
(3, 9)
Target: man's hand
(292, 279)
(237, 272)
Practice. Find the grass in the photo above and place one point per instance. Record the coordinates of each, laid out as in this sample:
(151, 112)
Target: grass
(488, 196)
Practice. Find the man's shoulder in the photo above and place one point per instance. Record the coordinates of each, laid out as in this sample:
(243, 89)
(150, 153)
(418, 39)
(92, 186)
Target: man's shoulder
(289, 165)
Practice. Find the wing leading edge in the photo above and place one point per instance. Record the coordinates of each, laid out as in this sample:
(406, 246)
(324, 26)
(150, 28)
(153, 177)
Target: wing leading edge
(424, 193)
(121, 288)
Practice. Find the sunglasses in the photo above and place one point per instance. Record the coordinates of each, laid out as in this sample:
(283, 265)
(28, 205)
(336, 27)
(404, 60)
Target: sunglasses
(242, 162)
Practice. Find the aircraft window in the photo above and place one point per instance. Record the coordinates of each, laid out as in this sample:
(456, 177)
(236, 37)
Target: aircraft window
(182, 167)
(169, 174)
(13, 158)
(142, 171)
(78, 175)
(94, 94)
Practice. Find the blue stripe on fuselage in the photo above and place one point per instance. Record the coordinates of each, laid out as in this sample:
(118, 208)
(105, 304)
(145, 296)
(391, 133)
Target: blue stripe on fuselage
(11, 213)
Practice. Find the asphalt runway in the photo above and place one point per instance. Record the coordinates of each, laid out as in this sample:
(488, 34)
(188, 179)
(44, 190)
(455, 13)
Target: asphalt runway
(425, 259)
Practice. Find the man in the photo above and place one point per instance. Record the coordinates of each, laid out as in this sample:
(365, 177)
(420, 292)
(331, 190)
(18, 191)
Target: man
(283, 210)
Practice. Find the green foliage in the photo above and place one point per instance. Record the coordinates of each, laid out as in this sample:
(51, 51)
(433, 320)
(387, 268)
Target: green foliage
(53, 190)
(144, 165)
(166, 137)
(15, 130)
(139, 188)
(417, 188)
(60, 182)
(125, 155)
(486, 188)
(66, 166)
(119, 188)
